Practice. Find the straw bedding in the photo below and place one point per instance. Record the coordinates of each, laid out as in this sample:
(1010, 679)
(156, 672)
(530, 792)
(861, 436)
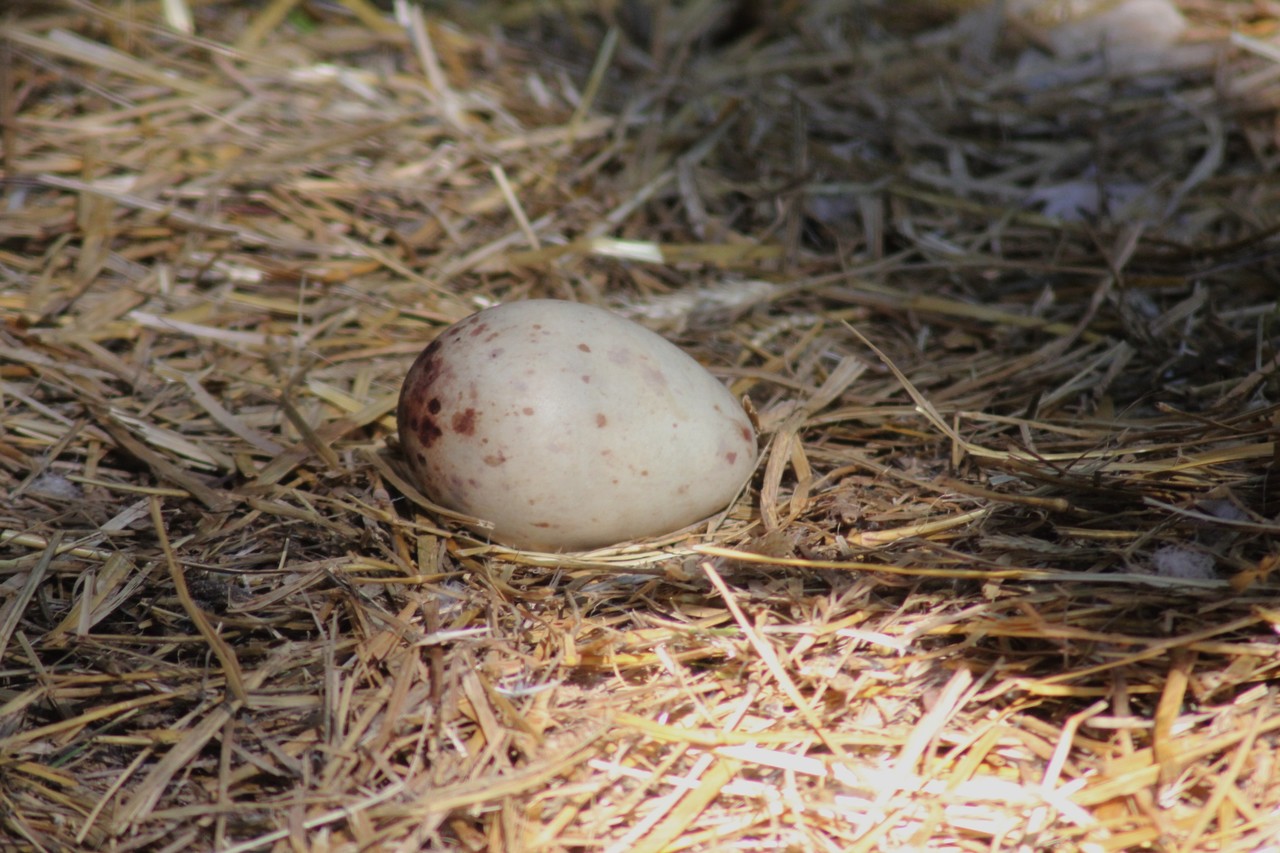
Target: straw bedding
(1004, 306)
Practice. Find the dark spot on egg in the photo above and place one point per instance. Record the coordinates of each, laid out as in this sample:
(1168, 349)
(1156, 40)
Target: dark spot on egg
(429, 432)
(479, 330)
(586, 379)
(493, 460)
(542, 524)
(746, 435)
(731, 456)
(428, 371)
(584, 347)
(464, 423)
(601, 420)
(495, 352)
(528, 410)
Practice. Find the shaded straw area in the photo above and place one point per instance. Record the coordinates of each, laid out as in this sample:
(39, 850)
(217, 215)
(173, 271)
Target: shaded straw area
(1006, 313)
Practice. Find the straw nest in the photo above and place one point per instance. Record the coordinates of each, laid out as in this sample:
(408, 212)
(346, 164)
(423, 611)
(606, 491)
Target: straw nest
(1006, 309)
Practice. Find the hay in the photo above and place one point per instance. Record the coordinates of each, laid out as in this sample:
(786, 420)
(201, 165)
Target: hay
(1005, 576)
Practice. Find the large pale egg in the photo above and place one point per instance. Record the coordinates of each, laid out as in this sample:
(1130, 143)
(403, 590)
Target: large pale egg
(568, 427)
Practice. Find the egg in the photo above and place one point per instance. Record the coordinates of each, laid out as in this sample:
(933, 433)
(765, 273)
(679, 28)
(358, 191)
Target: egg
(568, 427)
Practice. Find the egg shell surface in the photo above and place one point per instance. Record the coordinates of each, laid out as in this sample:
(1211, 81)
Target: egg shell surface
(569, 427)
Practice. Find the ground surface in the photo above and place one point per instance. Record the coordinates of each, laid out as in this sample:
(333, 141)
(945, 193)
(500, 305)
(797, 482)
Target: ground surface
(1006, 310)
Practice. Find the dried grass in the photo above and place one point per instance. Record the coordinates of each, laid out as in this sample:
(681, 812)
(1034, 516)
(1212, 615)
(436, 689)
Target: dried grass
(1004, 580)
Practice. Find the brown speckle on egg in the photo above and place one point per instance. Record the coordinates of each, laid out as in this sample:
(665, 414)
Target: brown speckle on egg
(428, 433)
(464, 423)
